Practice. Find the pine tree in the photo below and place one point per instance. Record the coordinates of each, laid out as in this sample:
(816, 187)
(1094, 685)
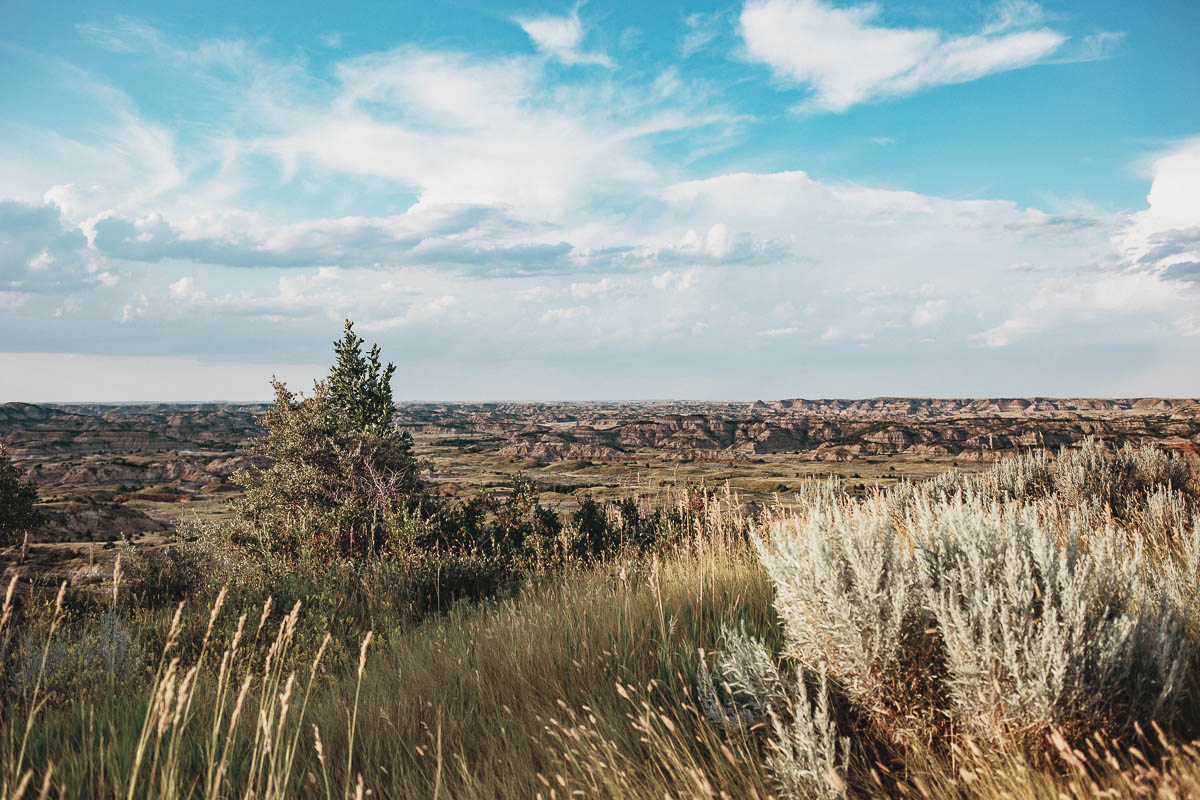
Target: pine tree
(18, 512)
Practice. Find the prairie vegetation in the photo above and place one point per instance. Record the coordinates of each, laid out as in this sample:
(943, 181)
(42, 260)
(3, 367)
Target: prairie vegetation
(1026, 632)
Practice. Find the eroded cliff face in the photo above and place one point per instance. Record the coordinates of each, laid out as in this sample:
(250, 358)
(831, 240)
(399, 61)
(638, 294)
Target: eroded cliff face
(843, 430)
(197, 435)
(38, 431)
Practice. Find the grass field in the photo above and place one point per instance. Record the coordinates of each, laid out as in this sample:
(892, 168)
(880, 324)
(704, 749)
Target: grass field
(621, 678)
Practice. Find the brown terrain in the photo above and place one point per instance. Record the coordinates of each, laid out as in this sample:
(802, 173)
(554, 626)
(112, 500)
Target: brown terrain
(107, 470)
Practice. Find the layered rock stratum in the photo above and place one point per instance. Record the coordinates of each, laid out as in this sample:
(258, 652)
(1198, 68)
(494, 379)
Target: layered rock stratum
(825, 430)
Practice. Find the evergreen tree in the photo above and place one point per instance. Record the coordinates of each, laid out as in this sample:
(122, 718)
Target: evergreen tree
(360, 389)
(340, 474)
(18, 512)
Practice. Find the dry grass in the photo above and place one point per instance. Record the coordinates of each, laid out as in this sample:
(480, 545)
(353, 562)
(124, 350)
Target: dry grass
(582, 684)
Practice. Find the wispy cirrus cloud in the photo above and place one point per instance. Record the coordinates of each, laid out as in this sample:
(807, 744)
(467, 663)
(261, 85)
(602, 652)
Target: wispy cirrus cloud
(846, 57)
(561, 37)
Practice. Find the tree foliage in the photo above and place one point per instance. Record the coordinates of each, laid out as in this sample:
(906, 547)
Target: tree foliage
(339, 472)
(360, 389)
(18, 512)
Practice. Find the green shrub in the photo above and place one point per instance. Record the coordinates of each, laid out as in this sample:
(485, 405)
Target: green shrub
(339, 472)
(593, 537)
(18, 496)
(98, 655)
(160, 575)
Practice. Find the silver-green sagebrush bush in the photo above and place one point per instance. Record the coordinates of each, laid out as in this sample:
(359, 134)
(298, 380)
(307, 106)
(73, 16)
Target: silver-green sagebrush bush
(807, 757)
(747, 691)
(848, 595)
(1042, 634)
(745, 688)
(1045, 596)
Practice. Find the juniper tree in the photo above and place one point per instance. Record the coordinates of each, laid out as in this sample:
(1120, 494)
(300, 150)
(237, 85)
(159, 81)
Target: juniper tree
(18, 512)
(360, 389)
(340, 473)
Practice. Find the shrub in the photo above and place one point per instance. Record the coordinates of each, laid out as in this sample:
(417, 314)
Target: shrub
(155, 576)
(967, 601)
(806, 756)
(594, 537)
(745, 688)
(1040, 635)
(18, 497)
(849, 600)
(340, 473)
(72, 664)
(1090, 474)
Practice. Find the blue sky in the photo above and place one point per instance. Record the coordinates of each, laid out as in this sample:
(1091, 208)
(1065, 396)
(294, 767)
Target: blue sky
(773, 198)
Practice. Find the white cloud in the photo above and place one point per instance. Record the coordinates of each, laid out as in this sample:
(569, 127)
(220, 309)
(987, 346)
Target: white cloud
(538, 199)
(561, 37)
(1014, 14)
(1164, 239)
(566, 314)
(599, 288)
(1097, 46)
(1150, 286)
(71, 304)
(847, 59)
(834, 334)
(929, 313)
(185, 290)
(11, 301)
(1083, 301)
(489, 132)
(674, 281)
(40, 251)
(534, 294)
(702, 28)
(421, 311)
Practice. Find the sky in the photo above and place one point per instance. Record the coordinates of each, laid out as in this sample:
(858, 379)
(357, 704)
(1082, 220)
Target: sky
(601, 201)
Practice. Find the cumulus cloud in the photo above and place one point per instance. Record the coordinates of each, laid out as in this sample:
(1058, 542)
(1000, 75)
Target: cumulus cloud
(845, 57)
(39, 251)
(1166, 234)
(185, 290)
(599, 288)
(676, 282)
(561, 38)
(1148, 283)
(1082, 301)
(566, 314)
